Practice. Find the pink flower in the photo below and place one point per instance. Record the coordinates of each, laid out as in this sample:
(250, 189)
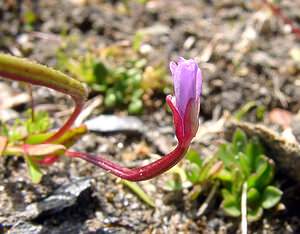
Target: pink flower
(185, 105)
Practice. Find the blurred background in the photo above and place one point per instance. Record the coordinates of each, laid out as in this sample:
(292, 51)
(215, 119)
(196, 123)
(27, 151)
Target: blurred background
(250, 59)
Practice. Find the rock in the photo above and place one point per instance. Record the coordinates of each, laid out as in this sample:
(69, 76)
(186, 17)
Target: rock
(162, 143)
(63, 197)
(22, 227)
(113, 123)
(156, 30)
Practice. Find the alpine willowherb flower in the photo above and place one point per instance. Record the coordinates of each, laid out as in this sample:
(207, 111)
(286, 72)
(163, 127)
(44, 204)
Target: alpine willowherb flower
(185, 105)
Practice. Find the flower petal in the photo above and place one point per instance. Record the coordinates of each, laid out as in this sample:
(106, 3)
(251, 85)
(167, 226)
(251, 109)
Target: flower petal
(198, 83)
(185, 83)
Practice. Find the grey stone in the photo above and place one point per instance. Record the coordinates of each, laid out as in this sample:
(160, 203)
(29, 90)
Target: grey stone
(22, 227)
(113, 123)
(63, 197)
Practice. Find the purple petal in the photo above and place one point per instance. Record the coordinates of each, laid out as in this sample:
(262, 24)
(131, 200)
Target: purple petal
(198, 83)
(185, 83)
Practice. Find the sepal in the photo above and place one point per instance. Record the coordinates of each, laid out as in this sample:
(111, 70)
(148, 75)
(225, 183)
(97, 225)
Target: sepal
(178, 122)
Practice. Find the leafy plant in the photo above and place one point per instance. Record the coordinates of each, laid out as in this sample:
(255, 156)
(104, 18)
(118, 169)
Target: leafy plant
(199, 175)
(122, 87)
(46, 149)
(20, 129)
(245, 164)
(34, 131)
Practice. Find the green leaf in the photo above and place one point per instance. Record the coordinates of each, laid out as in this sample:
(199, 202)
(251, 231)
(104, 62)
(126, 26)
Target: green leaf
(239, 141)
(35, 172)
(271, 196)
(193, 172)
(225, 175)
(100, 72)
(245, 163)
(231, 207)
(40, 124)
(139, 192)
(135, 107)
(173, 185)
(225, 155)
(110, 100)
(38, 138)
(264, 174)
(194, 157)
(254, 214)
(253, 196)
(137, 40)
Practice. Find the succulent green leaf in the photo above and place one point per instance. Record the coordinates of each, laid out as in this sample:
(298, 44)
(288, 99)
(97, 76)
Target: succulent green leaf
(271, 196)
(225, 175)
(264, 174)
(231, 207)
(253, 196)
(254, 214)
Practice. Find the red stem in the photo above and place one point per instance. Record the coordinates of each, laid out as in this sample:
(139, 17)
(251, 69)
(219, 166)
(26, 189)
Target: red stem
(78, 102)
(278, 12)
(68, 124)
(134, 174)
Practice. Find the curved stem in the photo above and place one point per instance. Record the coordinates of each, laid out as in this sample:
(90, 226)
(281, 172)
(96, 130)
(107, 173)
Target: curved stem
(61, 131)
(134, 174)
(19, 69)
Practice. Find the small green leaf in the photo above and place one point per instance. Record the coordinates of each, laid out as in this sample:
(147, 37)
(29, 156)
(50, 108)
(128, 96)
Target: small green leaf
(224, 154)
(135, 107)
(34, 170)
(139, 192)
(194, 157)
(173, 185)
(225, 175)
(110, 100)
(239, 141)
(254, 214)
(264, 174)
(245, 163)
(193, 172)
(251, 153)
(40, 124)
(271, 196)
(231, 207)
(100, 72)
(253, 196)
